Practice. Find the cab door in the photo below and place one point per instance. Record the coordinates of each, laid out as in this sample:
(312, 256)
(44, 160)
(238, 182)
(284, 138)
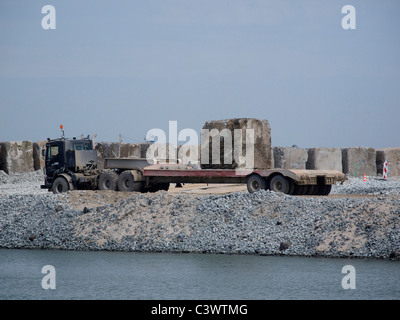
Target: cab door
(54, 159)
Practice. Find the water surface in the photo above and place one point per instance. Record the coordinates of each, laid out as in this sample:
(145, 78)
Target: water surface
(128, 275)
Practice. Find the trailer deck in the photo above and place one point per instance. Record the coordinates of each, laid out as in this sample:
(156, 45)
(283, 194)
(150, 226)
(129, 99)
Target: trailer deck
(292, 181)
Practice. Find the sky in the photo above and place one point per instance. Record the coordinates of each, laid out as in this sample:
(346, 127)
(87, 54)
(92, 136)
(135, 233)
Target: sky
(115, 68)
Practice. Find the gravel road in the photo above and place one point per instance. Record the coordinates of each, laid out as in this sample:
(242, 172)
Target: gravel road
(358, 219)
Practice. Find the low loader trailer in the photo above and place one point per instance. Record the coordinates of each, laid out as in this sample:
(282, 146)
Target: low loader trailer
(71, 164)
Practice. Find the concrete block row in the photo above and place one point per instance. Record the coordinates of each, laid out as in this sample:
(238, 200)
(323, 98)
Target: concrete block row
(353, 161)
(26, 156)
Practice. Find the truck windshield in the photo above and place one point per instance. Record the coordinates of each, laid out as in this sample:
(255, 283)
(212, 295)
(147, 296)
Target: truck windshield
(82, 146)
(52, 152)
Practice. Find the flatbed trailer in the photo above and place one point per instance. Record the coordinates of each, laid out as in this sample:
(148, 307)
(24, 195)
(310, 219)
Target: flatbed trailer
(72, 164)
(140, 175)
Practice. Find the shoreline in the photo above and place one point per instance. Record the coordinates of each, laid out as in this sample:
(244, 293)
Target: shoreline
(318, 256)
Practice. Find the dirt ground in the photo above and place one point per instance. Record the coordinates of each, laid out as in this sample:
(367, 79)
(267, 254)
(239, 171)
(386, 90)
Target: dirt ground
(96, 198)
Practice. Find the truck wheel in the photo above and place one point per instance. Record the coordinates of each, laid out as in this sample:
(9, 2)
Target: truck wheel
(279, 184)
(305, 190)
(316, 190)
(298, 189)
(311, 189)
(126, 182)
(327, 189)
(60, 185)
(323, 189)
(256, 183)
(108, 181)
(292, 187)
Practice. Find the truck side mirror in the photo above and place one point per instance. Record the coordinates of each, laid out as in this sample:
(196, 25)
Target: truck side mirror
(43, 152)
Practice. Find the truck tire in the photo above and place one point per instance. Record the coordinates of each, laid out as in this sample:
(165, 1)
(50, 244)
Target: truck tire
(279, 184)
(108, 181)
(60, 185)
(126, 182)
(298, 189)
(256, 183)
(316, 190)
(327, 189)
(310, 189)
(292, 187)
(323, 189)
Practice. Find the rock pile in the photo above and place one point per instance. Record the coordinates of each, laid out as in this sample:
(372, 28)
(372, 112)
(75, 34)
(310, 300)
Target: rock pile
(360, 219)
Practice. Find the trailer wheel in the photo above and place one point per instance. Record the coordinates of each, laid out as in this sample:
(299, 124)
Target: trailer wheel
(327, 189)
(311, 189)
(323, 189)
(60, 185)
(279, 184)
(304, 190)
(298, 188)
(292, 187)
(126, 182)
(108, 181)
(256, 183)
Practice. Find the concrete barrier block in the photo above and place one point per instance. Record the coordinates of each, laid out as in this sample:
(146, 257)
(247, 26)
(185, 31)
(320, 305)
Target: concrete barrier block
(228, 157)
(38, 159)
(106, 150)
(290, 157)
(324, 159)
(359, 161)
(16, 156)
(392, 155)
(129, 150)
(143, 149)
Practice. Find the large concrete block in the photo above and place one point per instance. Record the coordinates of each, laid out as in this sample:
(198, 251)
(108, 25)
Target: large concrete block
(359, 161)
(38, 159)
(392, 155)
(324, 159)
(231, 136)
(16, 156)
(106, 150)
(290, 157)
(129, 150)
